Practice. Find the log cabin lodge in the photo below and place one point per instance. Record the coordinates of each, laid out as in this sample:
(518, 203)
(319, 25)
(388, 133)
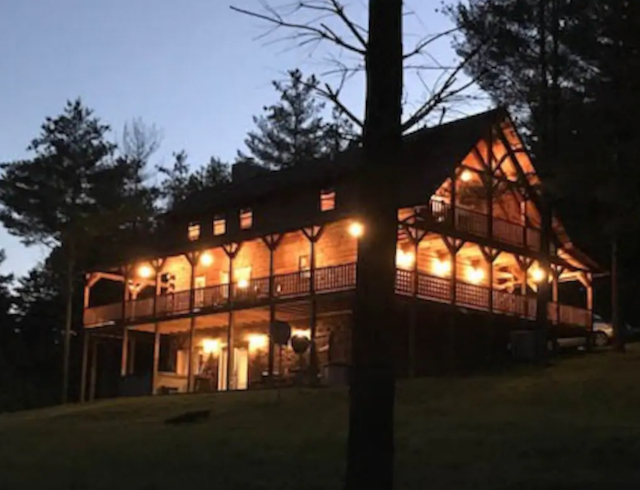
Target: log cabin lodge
(283, 246)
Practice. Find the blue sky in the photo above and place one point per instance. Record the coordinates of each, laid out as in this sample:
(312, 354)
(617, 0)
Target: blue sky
(193, 68)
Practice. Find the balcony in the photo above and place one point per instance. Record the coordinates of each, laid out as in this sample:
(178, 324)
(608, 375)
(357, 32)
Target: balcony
(476, 223)
(327, 280)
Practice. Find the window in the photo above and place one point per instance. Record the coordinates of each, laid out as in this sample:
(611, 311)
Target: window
(327, 200)
(194, 231)
(246, 219)
(304, 266)
(219, 225)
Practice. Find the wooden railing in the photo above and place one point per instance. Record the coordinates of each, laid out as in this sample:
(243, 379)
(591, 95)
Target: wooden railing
(477, 223)
(327, 280)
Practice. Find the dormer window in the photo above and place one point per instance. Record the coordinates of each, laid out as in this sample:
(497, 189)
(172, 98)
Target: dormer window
(219, 225)
(194, 232)
(246, 219)
(327, 200)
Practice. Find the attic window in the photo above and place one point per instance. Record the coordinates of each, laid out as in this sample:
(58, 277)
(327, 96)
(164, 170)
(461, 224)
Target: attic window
(246, 219)
(194, 232)
(327, 200)
(219, 225)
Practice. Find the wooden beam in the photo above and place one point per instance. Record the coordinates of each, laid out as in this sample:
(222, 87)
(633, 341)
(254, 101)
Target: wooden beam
(94, 367)
(85, 355)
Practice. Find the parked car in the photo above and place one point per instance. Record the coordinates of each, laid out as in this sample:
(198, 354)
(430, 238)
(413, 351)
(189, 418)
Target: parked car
(602, 332)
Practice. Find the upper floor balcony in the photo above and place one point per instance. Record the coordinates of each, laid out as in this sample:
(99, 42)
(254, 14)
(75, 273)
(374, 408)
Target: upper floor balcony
(321, 281)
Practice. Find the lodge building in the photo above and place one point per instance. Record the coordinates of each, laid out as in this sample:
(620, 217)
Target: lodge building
(283, 246)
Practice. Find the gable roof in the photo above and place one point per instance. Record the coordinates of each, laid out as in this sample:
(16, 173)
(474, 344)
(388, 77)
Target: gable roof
(442, 147)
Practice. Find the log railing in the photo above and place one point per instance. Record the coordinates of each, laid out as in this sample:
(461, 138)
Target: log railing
(477, 223)
(328, 280)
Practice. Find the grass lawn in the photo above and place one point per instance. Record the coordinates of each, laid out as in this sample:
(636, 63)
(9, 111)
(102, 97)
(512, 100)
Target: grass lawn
(574, 425)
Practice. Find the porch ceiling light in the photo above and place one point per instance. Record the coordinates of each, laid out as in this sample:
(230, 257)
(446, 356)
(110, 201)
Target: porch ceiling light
(356, 229)
(210, 346)
(538, 274)
(405, 260)
(466, 176)
(257, 341)
(442, 267)
(301, 332)
(243, 284)
(475, 275)
(145, 271)
(206, 259)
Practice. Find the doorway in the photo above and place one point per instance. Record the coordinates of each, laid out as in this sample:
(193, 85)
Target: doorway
(240, 373)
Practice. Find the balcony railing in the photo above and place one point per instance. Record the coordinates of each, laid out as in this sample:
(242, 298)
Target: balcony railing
(328, 280)
(477, 223)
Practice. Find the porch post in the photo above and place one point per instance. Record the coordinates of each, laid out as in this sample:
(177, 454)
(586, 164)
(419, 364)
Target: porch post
(156, 334)
(125, 351)
(94, 362)
(555, 291)
(193, 258)
(313, 235)
(589, 278)
(413, 314)
(271, 242)
(125, 330)
(231, 250)
(85, 355)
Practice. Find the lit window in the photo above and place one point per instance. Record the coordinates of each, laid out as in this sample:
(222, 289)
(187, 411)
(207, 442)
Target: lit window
(304, 266)
(219, 225)
(327, 200)
(246, 219)
(194, 231)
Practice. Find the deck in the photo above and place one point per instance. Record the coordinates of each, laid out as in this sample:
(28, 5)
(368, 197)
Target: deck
(327, 280)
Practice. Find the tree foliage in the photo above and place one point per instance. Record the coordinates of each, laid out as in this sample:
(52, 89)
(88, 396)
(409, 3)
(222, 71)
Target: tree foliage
(180, 181)
(293, 130)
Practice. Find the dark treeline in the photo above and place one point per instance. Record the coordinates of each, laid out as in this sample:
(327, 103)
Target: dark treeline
(91, 200)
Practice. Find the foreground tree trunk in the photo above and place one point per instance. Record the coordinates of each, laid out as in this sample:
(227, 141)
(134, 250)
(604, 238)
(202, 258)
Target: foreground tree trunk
(372, 391)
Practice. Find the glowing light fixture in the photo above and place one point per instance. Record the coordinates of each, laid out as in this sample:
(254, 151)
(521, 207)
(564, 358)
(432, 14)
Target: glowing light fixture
(301, 332)
(466, 176)
(475, 275)
(442, 267)
(206, 259)
(537, 274)
(210, 346)
(145, 272)
(405, 260)
(243, 283)
(356, 229)
(257, 341)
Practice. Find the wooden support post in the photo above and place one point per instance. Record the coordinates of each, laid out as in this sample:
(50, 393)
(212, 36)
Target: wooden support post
(132, 355)
(193, 258)
(231, 250)
(157, 265)
(555, 290)
(271, 242)
(590, 301)
(156, 357)
(94, 367)
(313, 235)
(413, 312)
(454, 179)
(125, 351)
(83, 375)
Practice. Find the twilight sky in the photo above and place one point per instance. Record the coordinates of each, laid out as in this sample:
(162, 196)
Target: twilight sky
(193, 68)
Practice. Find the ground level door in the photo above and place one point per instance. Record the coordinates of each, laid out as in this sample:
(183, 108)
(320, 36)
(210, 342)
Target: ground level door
(240, 373)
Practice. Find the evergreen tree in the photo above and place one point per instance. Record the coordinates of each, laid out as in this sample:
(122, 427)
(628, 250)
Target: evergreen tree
(180, 181)
(293, 130)
(70, 193)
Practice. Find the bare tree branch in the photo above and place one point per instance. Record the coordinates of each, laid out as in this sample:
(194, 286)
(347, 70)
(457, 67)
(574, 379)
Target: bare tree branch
(308, 32)
(421, 45)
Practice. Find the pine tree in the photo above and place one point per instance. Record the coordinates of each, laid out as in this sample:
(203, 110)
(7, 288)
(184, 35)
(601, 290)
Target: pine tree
(293, 130)
(70, 193)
